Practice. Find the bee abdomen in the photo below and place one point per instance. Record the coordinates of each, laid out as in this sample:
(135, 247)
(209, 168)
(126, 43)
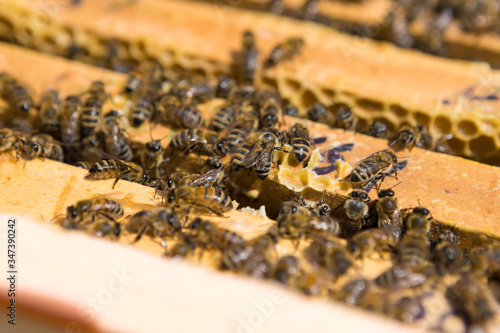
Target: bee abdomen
(109, 207)
(104, 169)
(190, 117)
(90, 118)
(301, 148)
(141, 112)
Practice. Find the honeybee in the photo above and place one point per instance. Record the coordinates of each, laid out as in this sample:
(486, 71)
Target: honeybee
(301, 142)
(296, 226)
(288, 270)
(223, 118)
(346, 119)
(285, 51)
(469, 298)
(372, 168)
(293, 207)
(207, 233)
(388, 213)
(207, 198)
(329, 253)
(89, 210)
(419, 219)
(211, 176)
(413, 248)
(395, 29)
(261, 155)
(437, 145)
(290, 110)
(100, 226)
(485, 260)
(152, 158)
(356, 210)
(15, 94)
(158, 222)
(245, 123)
(407, 309)
(115, 141)
(354, 291)
(107, 169)
(448, 256)
(316, 282)
(43, 146)
(177, 112)
(91, 148)
(176, 179)
(9, 141)
(366, 242)
(407, 137)
(378, 129)
(92, 108)
(251, 257)
(248, 58)
(224, 87)
(320, 113)
(402, 277)
(183, 248)
(145, 74)
(49, 112)
(70, 122)
(206, 141)
(269, 106)
(193, 89)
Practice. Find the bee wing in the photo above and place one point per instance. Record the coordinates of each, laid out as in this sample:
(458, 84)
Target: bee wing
(265, 156)
(208, 177)
(253, 156)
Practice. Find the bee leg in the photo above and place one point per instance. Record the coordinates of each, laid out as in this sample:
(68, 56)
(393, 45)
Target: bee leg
(116, 181)
(141, 232)
(213, 211)
(163, 242)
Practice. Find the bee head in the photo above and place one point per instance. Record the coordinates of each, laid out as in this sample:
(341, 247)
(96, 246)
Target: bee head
(316, 111)
(173, 220)
(361, 194)
(72, 212)
(344, 113)
(170, 197)
(325, 209)
(386, 193)
(291, 110)
(421, 211)
(117, 229)
(196, 224)
(214, 162)
(222, 147)
(153, 145)
(270, 120)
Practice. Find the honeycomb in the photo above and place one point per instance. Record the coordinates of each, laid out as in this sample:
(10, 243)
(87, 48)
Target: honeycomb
(467, 107)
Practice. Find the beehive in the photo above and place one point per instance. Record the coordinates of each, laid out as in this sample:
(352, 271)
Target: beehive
(468, 180)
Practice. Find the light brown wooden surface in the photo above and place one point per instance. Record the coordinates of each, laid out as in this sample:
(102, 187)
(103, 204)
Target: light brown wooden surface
(90, 284)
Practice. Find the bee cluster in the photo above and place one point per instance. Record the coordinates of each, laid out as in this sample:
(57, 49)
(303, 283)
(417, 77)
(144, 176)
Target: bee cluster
(244, 133)
(435, 16)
